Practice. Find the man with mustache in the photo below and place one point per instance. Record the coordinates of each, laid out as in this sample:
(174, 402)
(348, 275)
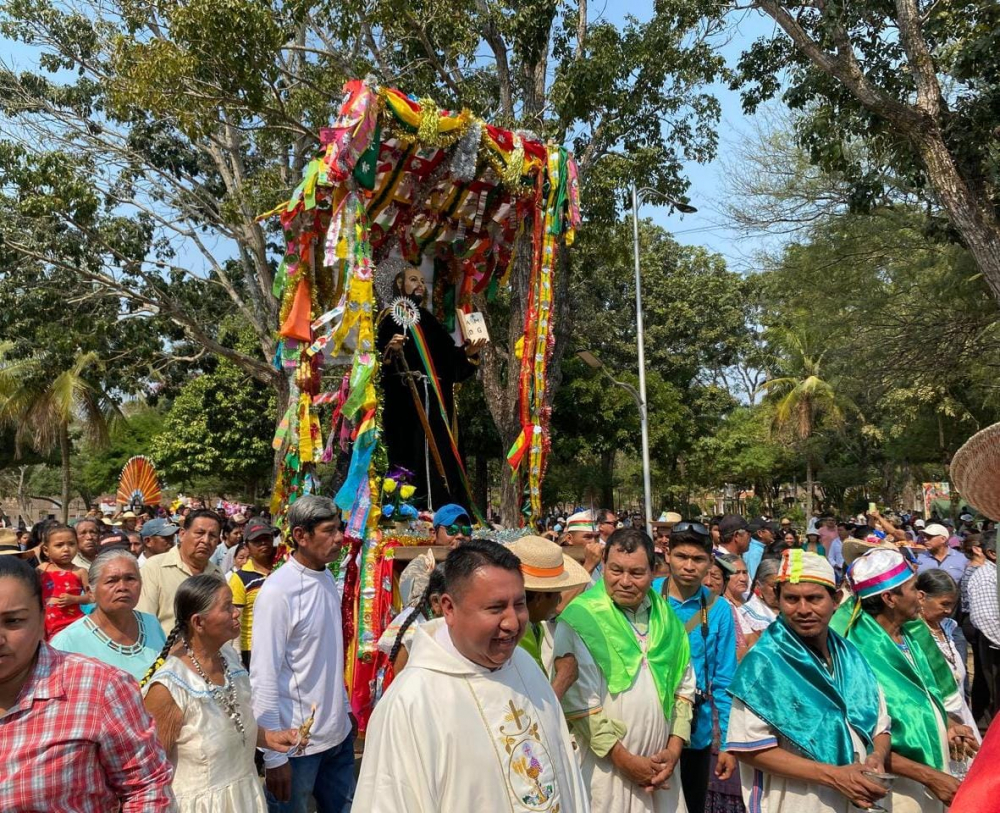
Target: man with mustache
(163, 574)
(631, 704)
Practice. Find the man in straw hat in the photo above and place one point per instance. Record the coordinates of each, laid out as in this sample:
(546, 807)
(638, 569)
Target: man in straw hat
(884, 623)
(808, 722)
(472, 723)
(547, 572)
(632, 702)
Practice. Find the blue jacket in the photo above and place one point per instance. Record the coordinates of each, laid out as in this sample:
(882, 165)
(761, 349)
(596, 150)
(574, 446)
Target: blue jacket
(715, 661)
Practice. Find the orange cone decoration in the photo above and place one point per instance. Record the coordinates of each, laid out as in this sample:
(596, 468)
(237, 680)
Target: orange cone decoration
(297, 324)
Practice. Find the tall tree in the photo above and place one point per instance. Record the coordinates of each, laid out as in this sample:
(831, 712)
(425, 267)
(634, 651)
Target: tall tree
(802, 401)
(916, 81)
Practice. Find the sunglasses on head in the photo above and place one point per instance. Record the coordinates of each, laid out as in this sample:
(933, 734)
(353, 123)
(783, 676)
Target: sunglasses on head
(455, 530)
(697, 527)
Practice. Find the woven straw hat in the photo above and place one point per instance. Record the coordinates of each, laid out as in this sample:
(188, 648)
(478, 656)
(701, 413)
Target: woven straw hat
(975, 471)
(545, 567)
(856, 548)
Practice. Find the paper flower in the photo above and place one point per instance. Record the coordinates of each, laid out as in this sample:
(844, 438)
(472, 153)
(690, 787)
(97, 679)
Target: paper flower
(388, 485)
(387, 510)
(408, 511)
(407, 491)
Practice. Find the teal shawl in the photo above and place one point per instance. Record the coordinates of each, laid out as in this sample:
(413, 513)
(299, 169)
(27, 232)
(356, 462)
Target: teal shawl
(914, 697)
(786, 684)
(612, 643)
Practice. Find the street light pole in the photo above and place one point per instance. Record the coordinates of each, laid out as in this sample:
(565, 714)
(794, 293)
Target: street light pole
(647, 487)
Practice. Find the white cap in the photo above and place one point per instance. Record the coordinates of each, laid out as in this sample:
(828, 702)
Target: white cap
(936, 530)
(919, 523)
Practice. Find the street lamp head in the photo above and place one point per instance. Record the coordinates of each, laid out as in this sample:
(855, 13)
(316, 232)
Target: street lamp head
(590, 359)
(648, 193)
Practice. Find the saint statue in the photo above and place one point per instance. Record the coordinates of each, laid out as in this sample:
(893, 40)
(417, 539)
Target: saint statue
(420, 366)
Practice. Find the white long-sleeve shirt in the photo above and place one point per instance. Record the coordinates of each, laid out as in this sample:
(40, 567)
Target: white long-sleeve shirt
(298, 657)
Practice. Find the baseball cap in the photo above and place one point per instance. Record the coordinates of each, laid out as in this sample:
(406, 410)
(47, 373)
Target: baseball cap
(935, 530)
(256, 528)
(730, 524)
(918, 523)
(158, 527)
(448, 514)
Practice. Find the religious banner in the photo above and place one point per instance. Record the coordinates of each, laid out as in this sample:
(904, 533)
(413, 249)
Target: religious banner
(936, 495)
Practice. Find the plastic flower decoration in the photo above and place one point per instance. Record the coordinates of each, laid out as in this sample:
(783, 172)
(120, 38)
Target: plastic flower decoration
(388, 485)
(407, 491)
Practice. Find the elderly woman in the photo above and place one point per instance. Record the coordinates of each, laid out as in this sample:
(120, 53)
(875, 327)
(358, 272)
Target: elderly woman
(199, 695)
(115, 632)
(77, 736)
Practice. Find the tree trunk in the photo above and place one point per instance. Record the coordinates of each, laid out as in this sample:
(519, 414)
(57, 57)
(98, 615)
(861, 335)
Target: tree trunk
(64, 454)
(809, 489)
(481, 481)
(608, 479)
(971, 215)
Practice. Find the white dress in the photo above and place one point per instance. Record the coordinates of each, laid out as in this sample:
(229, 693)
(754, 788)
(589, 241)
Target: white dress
(213, 763)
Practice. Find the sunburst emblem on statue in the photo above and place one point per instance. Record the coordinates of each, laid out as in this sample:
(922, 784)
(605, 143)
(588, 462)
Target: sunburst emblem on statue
(404, 312)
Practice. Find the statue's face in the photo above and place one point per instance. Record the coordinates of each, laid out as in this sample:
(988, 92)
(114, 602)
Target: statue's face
(413, 283)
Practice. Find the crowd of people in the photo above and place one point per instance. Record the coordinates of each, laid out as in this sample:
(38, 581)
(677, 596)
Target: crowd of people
(722, 665)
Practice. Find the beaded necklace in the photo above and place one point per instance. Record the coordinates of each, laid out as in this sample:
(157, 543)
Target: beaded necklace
(224, 695)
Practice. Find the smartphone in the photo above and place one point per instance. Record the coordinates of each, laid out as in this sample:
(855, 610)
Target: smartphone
(871, 508)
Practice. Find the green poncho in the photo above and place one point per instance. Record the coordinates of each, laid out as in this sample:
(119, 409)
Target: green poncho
(785, 683)
(615, 649)
(914, 692)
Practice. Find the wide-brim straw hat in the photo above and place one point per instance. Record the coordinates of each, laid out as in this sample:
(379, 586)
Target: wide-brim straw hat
(545, 567)
(975, 471)
(856, 548)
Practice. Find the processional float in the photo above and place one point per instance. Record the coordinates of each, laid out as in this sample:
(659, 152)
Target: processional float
(401, 177)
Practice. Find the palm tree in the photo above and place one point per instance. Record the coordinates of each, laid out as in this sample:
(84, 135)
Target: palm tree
(802, 400)
(40, 401)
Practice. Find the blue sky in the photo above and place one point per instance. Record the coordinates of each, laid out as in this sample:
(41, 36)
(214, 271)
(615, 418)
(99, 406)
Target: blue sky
(708, 226)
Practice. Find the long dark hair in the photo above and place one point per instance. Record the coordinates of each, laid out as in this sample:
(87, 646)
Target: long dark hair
(436, 585)
(194, 597)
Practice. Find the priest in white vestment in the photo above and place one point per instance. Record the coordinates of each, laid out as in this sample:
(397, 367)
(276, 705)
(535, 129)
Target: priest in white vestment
(472, 723)
(631, 705)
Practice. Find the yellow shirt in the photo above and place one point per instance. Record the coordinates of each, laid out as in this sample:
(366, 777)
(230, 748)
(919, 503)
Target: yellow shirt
(245, 584)
(161, 576)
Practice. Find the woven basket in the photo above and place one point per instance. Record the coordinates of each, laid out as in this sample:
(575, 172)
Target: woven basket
(975, 472)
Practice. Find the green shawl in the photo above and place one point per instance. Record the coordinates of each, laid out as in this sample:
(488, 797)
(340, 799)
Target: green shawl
(915, 732)
(615, 649)
(785, 683)
(531, 642)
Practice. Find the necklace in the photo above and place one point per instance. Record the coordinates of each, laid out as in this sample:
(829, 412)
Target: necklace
(224, 695)
(944, 644)
(122, 649)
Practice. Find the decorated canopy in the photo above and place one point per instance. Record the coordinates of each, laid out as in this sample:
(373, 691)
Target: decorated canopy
(400, 175)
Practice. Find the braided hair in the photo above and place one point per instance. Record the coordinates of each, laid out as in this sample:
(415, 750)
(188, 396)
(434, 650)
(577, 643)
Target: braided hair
(435, 585)
(195, 596)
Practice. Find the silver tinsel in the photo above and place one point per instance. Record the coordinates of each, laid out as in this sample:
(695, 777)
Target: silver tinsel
(463, 160)
(385, 275)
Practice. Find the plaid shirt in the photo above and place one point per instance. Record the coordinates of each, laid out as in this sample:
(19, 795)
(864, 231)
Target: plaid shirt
(79, 740)
(983, 610)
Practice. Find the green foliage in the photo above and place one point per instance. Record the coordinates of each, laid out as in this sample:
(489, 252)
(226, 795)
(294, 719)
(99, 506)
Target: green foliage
(217, 432)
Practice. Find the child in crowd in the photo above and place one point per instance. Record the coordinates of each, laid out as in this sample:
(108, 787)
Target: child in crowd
(64, 586)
